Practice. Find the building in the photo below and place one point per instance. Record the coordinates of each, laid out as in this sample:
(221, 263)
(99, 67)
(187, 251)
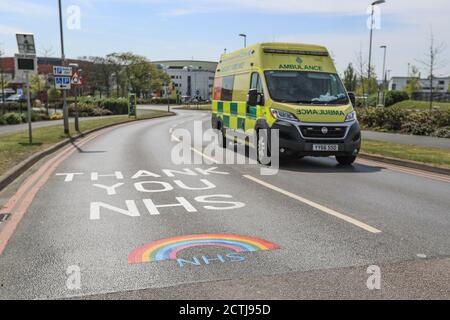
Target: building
(16, 78)
(191, 79)
(440, 84)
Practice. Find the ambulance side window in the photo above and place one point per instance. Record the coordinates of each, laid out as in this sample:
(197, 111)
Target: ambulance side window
(227, 88)
(256, 82)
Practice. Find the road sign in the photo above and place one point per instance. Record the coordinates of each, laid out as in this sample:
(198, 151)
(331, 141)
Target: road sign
(62, 71)
(62, 83)
(25, 42)
(75, 80)
(19, 92)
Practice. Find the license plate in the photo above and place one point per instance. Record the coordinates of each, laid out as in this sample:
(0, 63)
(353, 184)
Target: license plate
(325, 147)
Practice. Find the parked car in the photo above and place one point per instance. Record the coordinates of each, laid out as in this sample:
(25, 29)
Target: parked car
(16, 98)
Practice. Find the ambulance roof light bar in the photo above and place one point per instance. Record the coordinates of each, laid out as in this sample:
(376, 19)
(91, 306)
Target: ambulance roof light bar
(301, 52)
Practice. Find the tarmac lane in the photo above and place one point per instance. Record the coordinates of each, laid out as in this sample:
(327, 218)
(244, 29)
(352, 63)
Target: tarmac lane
(115, 214)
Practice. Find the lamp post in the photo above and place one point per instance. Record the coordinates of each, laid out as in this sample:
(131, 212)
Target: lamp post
(384, 75)
(370, 45)
(63, 61)
(243, 35)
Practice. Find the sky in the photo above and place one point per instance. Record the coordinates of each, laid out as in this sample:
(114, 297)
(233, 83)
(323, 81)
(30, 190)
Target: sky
(202, 29)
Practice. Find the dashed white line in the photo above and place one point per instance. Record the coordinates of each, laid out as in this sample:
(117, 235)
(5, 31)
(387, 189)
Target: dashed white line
(315, 205)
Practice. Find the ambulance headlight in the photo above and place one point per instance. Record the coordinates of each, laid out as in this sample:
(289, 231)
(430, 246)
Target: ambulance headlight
(351, 116)
(282, 115)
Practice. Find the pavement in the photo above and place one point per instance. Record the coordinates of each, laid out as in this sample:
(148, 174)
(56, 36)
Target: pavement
(83, 224)
(408, 139)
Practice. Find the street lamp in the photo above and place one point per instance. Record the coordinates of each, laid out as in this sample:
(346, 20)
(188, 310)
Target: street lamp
(63, 61)
(384, 75)
(370, 46)
(243, 35)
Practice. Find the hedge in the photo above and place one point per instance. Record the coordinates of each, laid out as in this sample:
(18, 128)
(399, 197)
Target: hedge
(435, 123)
(116, 106)
(88, 110)
(16, 118)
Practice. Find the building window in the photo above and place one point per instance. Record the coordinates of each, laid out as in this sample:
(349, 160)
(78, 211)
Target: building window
(394, 86)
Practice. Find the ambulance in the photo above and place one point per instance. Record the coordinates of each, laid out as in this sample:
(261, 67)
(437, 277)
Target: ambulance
(293, 88)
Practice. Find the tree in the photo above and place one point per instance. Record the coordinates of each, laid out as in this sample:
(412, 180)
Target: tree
(138, 74)
(362, 76)
(2, 79)
(433, 63)
(350, 78)
(413, 84)
(361, 67)
(37, 84)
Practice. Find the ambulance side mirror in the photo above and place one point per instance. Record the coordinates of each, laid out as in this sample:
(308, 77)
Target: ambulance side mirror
(352, 98)
(252, 99)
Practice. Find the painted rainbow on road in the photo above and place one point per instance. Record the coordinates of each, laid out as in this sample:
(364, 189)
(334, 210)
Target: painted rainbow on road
(167, 249)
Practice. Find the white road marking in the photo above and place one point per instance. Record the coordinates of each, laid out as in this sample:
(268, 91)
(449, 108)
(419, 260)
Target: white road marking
(316, 205)
(205, 156)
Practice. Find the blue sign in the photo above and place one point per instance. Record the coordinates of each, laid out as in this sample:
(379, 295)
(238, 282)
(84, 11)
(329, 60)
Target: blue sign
(62, 82)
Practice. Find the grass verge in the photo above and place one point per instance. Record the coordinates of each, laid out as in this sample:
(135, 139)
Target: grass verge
(426, 155)
(14, 147)
(420, 105)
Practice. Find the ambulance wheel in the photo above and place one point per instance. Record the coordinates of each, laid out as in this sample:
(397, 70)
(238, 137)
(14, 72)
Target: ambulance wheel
(263, 149)
(345, 160)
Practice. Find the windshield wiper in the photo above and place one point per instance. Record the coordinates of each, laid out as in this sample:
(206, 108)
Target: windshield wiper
(341, 100)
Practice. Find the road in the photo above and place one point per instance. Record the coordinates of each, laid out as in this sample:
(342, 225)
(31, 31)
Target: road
(310, 231)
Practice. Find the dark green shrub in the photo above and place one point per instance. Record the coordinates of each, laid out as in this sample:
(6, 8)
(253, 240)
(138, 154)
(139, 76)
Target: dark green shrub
(392, 97)
(88, 110)
(2, 121)
(442, 132)
(116, 106)
(12, 118)
(382, 118)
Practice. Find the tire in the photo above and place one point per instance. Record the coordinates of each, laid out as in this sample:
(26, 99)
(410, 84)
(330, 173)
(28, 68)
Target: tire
(262, 148)
(345, 160)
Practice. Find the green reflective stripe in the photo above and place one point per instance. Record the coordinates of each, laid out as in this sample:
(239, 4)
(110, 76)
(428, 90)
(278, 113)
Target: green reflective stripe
(251, 112)
(226, 121)
(241, 124)
(233, 108)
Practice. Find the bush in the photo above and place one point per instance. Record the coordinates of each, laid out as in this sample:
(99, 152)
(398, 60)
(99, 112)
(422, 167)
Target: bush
(88, 110)
(12, 118)
(392, 97)
(2, 121)
(427, 123)
(435, 123)
(56, 116)
(442, 132)
(163, 101)
(382, 118)
(116, 106)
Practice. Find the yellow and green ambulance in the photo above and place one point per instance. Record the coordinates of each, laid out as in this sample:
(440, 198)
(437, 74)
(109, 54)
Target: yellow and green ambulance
(291, 87)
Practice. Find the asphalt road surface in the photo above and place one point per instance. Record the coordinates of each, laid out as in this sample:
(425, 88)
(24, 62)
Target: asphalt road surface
(83, 224)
